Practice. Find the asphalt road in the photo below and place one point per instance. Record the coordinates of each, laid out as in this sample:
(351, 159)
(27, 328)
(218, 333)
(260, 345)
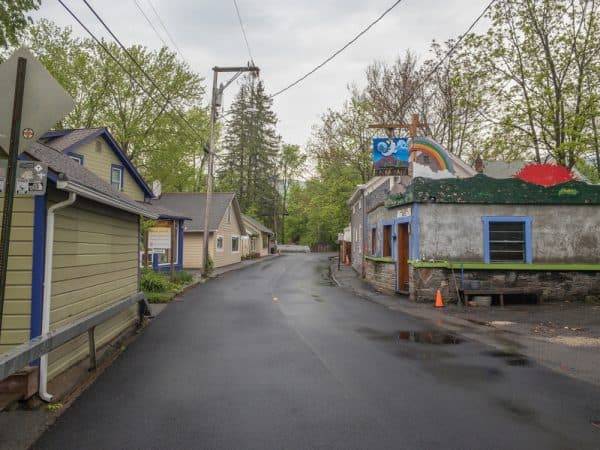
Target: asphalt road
(275, 357)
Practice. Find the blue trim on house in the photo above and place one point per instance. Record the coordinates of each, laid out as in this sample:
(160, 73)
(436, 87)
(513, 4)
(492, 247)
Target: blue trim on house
(398, 221)
(528, 235)
(388, 223)
(122, 169)
(37, 266)
(166, 267)
(120, 154)
(77, 156)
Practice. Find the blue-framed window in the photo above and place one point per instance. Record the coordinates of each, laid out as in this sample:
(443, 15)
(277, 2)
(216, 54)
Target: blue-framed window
(507, 239)
(116, 176)
(164, 257)
(387, 238)
(76, 157)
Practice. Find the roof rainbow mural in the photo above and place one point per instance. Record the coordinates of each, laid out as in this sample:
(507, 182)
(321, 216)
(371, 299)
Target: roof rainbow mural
(434, 150)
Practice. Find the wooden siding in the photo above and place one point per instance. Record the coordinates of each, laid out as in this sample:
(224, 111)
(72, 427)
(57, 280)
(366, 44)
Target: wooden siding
(192, 250)
(16, 322)
(99, 160)
(95, 264)
(227, 230)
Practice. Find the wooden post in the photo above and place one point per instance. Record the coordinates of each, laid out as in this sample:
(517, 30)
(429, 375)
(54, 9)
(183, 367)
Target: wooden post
(173, 249)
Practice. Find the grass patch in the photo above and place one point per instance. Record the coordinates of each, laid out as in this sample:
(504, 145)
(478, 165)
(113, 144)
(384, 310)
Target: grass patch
(160, 297)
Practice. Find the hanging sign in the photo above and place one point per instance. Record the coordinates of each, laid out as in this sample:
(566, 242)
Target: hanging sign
(31, 178)
(159, 238)
(390, 152)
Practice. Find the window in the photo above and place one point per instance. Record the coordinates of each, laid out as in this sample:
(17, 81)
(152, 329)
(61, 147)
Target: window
(265, 241)
(164, 256)
(235, 244)
(219, 243)
(507, 239)
(387, 240)
(76, 157)
(116, 176)
(373, 240)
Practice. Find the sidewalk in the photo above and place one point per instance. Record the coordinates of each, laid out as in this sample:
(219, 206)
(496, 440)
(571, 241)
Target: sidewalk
(564, 337)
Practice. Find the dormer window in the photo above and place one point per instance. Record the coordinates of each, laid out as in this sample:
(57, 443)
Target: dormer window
(76, 157)
(116, 176)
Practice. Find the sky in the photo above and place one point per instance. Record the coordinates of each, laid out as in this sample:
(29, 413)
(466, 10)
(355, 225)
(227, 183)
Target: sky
(287, 39)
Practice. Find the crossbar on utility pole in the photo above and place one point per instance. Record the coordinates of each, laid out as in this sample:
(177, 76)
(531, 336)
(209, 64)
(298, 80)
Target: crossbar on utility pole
(211, 153)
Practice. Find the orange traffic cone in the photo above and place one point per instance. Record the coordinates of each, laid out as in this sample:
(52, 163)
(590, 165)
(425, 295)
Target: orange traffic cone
(439, 303)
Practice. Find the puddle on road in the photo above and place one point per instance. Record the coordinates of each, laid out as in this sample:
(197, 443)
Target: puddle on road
(511, 358)
(422, 337)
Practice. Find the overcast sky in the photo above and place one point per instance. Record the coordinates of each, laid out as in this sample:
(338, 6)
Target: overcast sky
(287, 39)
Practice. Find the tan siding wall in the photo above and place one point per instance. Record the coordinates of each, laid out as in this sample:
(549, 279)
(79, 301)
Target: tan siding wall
(95, 264)
(192, 250)
(17, 306)
(100, 162)
(227, 230)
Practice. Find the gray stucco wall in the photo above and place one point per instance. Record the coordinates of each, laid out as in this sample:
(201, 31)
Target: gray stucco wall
(356, 225)
(376, 217)
(560, 233)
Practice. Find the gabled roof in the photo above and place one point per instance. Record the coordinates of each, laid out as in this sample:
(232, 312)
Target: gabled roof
(72, 177)
(257, 225)
(193, 205)
(165, 213)
(67, 141)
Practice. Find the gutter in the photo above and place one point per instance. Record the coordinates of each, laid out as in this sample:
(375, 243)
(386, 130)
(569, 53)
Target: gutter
(84, 191)
(43, 387)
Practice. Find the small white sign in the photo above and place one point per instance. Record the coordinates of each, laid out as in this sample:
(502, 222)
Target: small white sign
(403, 212)
(31, 178)
(159, 238)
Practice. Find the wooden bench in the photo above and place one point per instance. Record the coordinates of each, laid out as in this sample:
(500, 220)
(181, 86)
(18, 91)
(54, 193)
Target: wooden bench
(501, 291)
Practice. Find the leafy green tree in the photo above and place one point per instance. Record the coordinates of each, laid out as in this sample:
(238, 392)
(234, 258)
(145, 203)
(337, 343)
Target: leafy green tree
(291, 165)
(14, 19)
(151, 133)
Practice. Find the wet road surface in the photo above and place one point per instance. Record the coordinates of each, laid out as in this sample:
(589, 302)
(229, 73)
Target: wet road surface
(276, 357)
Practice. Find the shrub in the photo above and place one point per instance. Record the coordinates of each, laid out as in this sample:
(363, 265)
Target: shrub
(160, 297)
(183, 277)
(154, 282)
(210, 265)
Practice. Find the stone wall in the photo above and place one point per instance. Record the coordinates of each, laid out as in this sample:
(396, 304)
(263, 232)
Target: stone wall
(554, 285)
(381, 275)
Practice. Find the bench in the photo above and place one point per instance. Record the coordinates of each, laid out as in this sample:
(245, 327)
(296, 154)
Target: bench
(501, 291)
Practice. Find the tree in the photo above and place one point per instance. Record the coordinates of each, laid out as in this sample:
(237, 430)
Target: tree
(248, 163)
(152, 135)
(540, 57)
(291, 166)
(14, 19)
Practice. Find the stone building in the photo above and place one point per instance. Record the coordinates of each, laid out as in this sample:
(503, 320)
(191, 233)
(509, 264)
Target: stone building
(498, 233)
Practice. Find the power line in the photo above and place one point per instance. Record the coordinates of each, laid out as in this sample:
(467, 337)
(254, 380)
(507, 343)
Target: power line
(162, 24)
(348, 44)
(138, 65)
(237, 10)
(151, 24)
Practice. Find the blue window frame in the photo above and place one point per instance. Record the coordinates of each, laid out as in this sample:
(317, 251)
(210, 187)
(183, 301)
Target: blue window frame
(507, 239)
(387, 246)
(116, 176)
(76, 157)
(374, 240)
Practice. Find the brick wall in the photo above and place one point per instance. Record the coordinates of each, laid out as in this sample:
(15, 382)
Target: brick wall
(555, 286)
(381, 275)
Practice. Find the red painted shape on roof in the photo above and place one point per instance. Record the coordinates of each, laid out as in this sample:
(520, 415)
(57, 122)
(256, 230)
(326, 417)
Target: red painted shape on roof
(545, 174)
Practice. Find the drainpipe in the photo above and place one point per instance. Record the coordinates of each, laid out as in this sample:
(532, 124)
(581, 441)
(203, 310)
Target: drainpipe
(42, 390)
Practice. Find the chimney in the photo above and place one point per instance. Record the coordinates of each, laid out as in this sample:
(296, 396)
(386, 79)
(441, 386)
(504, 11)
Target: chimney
(479, 164)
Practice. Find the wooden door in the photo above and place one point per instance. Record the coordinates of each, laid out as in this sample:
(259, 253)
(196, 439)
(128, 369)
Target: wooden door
(402, 240)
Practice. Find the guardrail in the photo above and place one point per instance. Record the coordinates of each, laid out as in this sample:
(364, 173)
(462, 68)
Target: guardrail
(20, 356)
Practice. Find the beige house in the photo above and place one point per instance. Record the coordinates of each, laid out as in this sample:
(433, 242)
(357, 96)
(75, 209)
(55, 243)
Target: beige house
(226, 227)
(94, 253)
(258, 237)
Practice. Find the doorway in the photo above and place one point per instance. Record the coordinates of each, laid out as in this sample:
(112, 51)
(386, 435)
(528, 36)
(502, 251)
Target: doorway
(402, 240)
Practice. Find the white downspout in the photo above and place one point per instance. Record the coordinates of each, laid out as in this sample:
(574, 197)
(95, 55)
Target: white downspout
(43, 387)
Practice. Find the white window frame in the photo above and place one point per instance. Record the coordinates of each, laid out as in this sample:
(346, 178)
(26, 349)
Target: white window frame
(222, 243)
(121, 171)
(238, 238)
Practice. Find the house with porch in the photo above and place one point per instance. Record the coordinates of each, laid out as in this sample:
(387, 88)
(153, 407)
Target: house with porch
(259, 237)
(74, 251)
(225, 226)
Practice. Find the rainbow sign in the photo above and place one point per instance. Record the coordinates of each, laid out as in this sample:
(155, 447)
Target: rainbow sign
(433, 150)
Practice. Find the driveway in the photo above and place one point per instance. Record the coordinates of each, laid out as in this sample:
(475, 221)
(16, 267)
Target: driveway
(275, 356)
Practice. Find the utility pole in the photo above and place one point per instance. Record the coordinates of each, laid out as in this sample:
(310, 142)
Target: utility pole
(217, 94)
